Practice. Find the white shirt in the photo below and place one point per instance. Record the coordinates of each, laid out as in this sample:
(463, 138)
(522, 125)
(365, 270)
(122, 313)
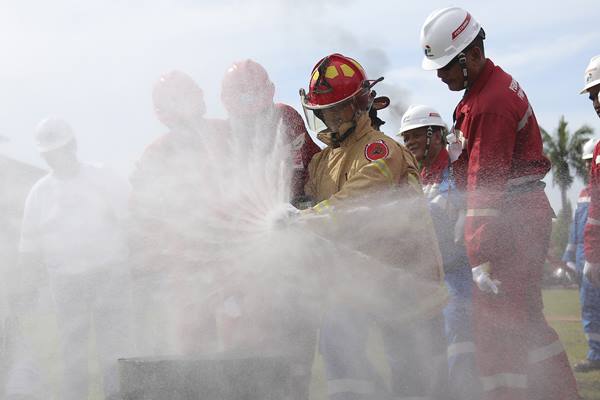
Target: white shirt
(77, 223)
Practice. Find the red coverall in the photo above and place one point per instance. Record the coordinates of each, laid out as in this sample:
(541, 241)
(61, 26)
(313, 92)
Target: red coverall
(302, 144)
(508, 225)
(163, 201)
(592, 227)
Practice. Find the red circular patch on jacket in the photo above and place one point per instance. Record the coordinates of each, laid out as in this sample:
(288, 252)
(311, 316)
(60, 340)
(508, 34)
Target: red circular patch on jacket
(376, 150)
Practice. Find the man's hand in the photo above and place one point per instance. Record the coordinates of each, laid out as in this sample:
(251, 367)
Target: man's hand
(455, 146)
(282, 216)
(592, 272)
(485, 283)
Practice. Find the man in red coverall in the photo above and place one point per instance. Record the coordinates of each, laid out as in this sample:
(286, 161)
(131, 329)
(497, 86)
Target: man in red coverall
(591, 268)
(508, 217)
(164, 208)
(255, 121)
(247, 94)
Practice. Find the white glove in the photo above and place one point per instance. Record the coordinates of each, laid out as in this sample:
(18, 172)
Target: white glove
(592, 272)
(485, 283)
(571, 265)
(454, 147)
(281, 217)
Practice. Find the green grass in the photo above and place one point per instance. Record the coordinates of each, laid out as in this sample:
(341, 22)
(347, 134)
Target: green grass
(565, 303)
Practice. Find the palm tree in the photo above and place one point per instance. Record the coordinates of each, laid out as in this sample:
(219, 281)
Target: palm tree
(564, 150)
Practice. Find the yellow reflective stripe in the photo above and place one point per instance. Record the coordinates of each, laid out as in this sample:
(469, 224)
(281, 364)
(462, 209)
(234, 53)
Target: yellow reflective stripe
(322, 206)
(383, 168)
(482, 212)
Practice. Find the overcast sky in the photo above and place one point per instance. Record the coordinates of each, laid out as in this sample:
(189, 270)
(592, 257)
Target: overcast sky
(94, 62)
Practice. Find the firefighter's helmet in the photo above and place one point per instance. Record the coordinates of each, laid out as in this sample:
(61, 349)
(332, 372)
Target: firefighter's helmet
(246, 89)
(336, 80)
(178, 100)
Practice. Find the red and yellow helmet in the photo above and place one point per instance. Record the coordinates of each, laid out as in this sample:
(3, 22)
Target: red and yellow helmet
(335, 80)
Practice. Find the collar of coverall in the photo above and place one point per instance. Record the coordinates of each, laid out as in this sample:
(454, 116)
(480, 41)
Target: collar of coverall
(481, 80)
(361, 129)
(430, 173)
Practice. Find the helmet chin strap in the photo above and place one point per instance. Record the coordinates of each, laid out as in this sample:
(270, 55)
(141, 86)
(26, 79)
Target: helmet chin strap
(462, 61)
(346, 130)
(428, 135)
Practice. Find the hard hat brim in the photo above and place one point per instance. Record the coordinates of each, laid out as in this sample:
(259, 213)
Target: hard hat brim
(589, 85)
(54, 146)
(415, 126)
(431, 65)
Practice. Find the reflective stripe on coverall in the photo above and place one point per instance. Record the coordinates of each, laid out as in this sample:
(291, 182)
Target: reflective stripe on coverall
(349, 171)
(589, 296)
(508, 225)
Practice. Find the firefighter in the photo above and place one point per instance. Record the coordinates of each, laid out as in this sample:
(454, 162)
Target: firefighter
(164, 208)
(424, 134)
(256, 124)
(508, 217)
(74, 228)
(591, 269)
(358, 162)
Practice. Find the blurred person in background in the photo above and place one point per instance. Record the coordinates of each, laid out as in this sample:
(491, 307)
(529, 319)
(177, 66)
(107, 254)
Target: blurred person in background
(171, 275)
(497, 145)
(248, 96)
(74, 232)
(424, 134)
(256, 123)
(574, 258)
(591, 268)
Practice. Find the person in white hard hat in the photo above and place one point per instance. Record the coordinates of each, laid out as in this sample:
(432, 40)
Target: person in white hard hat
(591, 268)
(508, 216)
(424, 134)
(574, 258)
(74, 229)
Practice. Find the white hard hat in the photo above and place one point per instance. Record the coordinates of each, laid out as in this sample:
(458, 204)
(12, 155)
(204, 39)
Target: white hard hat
(445, 34)
(587, 151)
(418, 116)
(52, 133)
(591, 77)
